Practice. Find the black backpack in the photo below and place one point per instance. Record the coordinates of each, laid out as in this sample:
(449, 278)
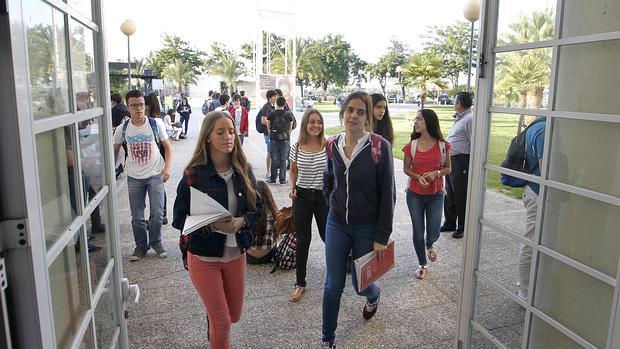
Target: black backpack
(516, 159)
(260, 128)
(279, 126)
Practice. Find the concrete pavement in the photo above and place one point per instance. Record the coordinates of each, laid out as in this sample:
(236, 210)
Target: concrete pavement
(412, 313)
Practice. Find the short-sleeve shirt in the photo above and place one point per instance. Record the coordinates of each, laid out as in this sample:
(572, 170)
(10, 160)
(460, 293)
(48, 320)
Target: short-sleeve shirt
(535, 145)
(427, 161)
(310, 167)
(143, 157)
(280, 113)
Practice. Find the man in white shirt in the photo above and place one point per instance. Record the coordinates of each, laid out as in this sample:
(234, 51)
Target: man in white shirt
(147, 170)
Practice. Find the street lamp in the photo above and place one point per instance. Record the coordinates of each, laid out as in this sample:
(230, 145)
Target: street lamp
(398, 70)
(471, 13)
(128, 28)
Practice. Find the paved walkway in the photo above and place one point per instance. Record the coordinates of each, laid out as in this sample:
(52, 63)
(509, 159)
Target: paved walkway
(412, 314)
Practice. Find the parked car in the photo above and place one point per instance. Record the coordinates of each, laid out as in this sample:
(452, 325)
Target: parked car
(445, 100)
(394, 98)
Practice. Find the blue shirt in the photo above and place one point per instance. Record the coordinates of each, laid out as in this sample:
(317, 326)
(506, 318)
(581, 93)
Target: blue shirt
(535, 146)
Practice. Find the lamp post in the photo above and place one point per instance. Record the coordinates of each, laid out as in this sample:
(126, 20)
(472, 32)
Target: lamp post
(387, 76)
(128, 28)
(471, 13)
(398, 70)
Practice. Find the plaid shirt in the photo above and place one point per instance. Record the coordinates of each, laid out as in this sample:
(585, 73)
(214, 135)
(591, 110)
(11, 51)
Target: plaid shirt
(266, 241)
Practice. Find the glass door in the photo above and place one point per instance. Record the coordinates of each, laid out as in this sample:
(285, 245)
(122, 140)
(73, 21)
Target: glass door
(67, 290)
(541, 270)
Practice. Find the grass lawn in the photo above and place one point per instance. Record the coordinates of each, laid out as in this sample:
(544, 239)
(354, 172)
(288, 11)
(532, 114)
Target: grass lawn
(503, 129)
(326, 107)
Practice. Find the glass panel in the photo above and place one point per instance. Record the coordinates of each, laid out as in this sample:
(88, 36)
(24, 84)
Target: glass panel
(479, 341)
(98, 242)
(544, 336)
(83, 6)
(47, 59)
(506, 211)
(525, 21)
(570, 296)
(499, 315)
(588, 17)
(87, 340)
(585, 154)
(566, 218)
(57, 181)
(588, 77)
(522, 79)
(68, 291)
(499, 258)
(91, 155)
(83, 66)
(105, 322)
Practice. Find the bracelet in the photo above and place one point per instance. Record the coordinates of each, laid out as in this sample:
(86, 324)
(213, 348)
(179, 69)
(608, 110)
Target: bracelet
(438, 173)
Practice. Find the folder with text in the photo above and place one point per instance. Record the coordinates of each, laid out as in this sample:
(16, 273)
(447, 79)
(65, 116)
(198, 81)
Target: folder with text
(370, 268)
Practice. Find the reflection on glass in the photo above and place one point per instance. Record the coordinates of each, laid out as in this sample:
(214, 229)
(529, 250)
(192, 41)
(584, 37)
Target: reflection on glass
(47, 59)
(570, 296)
(479, 341)
(588, 77)
(520, 22)
(105, 322)
(506, 211)
(566, 218)
(68, 291)
(87, 340)
(83, 6)
(544, 336)
(522, 79)
(499, 315)
(57, 181)
(98, 253)
(91, 153)
(583, 18)
(83, 66)
(499, 259)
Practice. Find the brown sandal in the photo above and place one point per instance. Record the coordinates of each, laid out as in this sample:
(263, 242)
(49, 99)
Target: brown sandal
(296, 294)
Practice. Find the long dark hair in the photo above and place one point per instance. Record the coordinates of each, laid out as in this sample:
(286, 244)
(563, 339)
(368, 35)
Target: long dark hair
(152, 103)
(382, 127)
(260, 227)
(432, 125)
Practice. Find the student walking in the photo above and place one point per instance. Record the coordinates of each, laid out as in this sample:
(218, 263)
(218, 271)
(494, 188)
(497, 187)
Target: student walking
(308, 159)
(184, 110)
(359, 185)
(279, 126)
(216, 253)
(427, 160)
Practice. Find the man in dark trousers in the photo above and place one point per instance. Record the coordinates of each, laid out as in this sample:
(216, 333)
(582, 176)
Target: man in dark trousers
(264, 113)
(456, 182)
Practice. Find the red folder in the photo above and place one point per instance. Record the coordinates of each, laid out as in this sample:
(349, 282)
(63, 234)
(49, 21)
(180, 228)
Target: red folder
(369, 268)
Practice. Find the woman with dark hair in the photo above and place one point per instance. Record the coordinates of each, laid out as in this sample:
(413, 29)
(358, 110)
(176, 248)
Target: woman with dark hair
(263, 246)
(359, 186)
(308, 160)
(215, 254)
(184, 111)
(381, 121)
(151, 104)
(427, 160)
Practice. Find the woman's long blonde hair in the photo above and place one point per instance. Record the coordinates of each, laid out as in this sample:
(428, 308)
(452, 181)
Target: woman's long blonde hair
(303, 130)
(202, 153)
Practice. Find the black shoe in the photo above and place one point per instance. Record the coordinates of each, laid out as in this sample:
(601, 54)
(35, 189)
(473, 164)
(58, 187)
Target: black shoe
(445, 228)
(284, 182)
(165, 221)
(98, 229)
(457, 234)
(370, 309)
(271, 181)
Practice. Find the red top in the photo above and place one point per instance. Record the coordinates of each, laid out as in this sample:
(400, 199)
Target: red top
(427, 161)
(243, 128)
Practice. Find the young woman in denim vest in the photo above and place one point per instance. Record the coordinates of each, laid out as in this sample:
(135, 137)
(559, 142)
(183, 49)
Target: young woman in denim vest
(216, 253)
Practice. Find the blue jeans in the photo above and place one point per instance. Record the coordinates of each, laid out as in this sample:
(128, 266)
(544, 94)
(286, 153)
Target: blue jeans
(419, 206)
(138, 188)
(339, 240)
(184, 121)
(279, 154)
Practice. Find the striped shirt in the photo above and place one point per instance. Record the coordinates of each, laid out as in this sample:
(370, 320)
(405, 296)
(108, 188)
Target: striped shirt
(310, 166)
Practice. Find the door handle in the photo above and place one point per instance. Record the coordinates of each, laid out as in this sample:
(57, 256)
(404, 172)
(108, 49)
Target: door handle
(127, 288)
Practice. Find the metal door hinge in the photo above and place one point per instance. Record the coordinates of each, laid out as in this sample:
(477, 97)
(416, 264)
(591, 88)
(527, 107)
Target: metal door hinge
(14, 234)
(3, 281)
(481, 64)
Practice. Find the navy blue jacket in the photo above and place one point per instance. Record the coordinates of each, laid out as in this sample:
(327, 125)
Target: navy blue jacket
(366, 193)
(206, 179)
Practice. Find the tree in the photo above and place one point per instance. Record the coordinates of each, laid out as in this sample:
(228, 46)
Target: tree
(174, 48)
(225, 64)
(422, 70)
(334, 56)
(452, 44)
(397, 55)
(308, 63)
(180, 73)
(379, 71)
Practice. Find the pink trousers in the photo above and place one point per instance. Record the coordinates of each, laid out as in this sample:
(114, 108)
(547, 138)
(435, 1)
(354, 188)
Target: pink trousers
(220, 285)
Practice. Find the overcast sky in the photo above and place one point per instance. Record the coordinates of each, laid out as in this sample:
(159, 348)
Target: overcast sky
(367, 28)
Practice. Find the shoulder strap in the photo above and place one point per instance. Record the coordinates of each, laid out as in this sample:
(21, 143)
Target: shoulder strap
(124, 131)
(414, 147)
(296, 152)
(155, 129)
(328, 146)
(442, 150)
(375, 143)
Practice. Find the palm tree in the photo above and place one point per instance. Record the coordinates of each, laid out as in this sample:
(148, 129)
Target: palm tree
(307, 62)
(422, 70)
(229, 69)
(180, 73)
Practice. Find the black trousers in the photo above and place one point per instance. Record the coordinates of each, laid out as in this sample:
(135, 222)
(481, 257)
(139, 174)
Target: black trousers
(456, 193)
(308, 203)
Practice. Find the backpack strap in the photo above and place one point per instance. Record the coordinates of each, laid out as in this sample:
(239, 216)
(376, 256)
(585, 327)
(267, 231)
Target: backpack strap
(375, 143)
(154, 129)
(414, 148)
(328, 146)
(442, 150)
